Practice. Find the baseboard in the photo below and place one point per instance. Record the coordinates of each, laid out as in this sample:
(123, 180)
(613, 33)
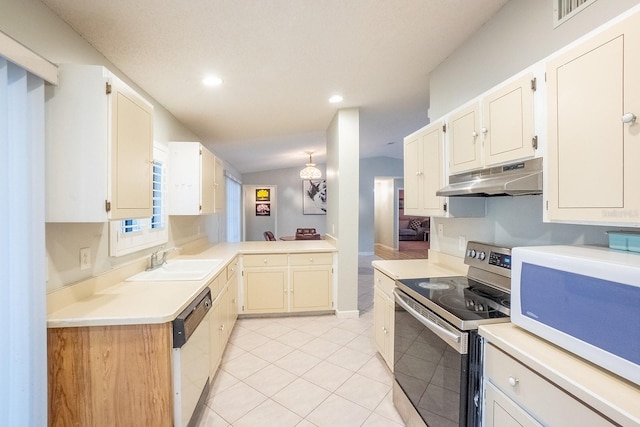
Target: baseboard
(351, 314)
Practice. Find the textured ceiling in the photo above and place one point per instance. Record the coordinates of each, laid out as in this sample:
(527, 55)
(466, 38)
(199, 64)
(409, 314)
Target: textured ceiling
(280, 61)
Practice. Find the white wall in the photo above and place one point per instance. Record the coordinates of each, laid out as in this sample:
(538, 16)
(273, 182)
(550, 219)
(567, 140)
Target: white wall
(518, 36)
(289, 199)
(35, 26)
(343, 171)
(371, 168)
(385, 212)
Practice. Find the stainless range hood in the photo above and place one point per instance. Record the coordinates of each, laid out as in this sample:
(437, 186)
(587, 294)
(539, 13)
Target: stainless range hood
(516, 179)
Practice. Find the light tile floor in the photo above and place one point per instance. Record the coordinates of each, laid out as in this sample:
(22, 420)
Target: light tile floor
(304, 371)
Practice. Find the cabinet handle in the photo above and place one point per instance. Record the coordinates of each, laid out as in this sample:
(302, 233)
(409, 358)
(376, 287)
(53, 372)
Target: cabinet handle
(484, 130)
(264, 260)
(310, 259)
(474, 134)
(221, 327)
(628, 118)
(513, 381)
(419, 173)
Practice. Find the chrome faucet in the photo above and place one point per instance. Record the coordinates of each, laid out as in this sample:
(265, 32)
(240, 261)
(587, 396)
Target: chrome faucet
(155, 263)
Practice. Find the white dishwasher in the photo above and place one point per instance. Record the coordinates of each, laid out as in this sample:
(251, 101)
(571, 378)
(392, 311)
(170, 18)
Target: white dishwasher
(190, 361)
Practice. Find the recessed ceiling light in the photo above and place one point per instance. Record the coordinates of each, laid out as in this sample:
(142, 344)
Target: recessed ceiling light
(212, 81)
(335, 99)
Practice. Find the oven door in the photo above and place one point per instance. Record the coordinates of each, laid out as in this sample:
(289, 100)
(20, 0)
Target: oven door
(431, 363)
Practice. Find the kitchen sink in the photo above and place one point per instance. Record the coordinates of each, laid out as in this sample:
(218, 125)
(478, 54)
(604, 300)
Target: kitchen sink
(179, 269)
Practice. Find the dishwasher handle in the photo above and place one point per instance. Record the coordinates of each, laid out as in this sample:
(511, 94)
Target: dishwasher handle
(186, 323)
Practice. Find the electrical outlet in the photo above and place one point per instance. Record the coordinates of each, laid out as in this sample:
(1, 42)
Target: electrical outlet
(440, 230)
(462, 243)
(85, 258)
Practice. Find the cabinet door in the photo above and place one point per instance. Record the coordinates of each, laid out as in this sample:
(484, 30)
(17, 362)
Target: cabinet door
(217, 340)
(264, 290)
(424, 171)
(500, 411)
(433, 170)
(464, 142)
(207, 181)
(383, 325)
(592, 155)
(220, 186)
(412, 174)
(311, 288)
(507, 122)
(131, 153)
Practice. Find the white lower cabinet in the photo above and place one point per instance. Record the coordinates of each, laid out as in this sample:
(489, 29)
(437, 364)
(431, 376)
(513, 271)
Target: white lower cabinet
(282, 283)
(224, 293)
(384, 315)
(517, 396)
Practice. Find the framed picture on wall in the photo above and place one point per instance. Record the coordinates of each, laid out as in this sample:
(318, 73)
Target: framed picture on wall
(314, 197)
(263, 194)
(263, 209)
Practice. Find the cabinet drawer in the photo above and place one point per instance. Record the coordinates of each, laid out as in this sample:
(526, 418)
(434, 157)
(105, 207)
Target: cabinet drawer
(325, 258)
(385, 283)
(232, 268)
(526, 387)
(265, 260)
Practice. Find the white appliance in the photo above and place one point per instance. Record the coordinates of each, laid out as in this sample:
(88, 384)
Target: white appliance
(583, 299)
(190, 360)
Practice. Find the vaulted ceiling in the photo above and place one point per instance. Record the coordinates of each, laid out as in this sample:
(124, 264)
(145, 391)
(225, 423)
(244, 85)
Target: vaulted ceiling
(280, 62)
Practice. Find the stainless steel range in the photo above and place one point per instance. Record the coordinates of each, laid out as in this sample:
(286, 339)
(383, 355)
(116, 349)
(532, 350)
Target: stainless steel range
(437, 351)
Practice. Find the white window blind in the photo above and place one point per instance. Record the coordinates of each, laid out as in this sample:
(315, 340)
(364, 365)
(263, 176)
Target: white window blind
(23, 363)
(234, 209)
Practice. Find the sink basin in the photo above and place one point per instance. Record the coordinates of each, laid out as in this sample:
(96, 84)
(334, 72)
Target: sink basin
(179, 269)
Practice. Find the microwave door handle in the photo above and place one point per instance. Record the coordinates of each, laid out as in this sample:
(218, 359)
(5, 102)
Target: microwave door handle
(426, 322)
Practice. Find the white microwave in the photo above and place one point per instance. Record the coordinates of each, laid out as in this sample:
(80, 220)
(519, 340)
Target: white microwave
(584, 299)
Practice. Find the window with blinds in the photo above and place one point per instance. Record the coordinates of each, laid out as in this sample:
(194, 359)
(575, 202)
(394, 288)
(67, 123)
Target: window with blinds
(565, 9)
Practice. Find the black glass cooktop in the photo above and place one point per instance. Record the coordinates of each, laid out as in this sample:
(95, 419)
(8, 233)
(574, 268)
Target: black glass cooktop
(463, 301)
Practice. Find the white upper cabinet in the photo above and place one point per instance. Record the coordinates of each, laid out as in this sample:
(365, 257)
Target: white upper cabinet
(593, 135)
(424, 174)
(497, 128)
(465, 145)
(424, 171)
(99, 148)
(508, 122)
(192, 179)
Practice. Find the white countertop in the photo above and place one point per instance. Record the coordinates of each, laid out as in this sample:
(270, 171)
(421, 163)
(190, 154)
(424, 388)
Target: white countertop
(609, 394)
(110, 300)
(438, 265)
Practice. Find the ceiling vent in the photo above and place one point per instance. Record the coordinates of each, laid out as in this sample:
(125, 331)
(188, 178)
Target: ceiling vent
(566, 9)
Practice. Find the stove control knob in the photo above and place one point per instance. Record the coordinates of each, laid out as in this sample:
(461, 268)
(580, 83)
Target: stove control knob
(473, 253)
(482, 256)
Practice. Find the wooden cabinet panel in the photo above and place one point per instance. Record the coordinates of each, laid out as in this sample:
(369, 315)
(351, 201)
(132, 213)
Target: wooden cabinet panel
(593, 176)
(110, 375)
(384, 315)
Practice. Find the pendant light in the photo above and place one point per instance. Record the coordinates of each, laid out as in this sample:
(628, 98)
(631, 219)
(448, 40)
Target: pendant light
(311, 171)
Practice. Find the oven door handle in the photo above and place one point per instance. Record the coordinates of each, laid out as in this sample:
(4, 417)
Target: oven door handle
(426, 322)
